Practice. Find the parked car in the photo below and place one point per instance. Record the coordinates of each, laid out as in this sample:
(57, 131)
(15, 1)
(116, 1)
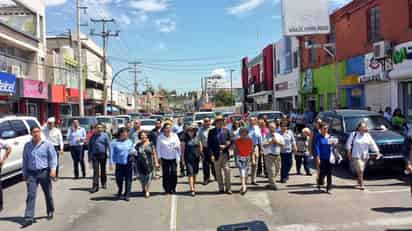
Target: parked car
(342, 123)
(156, 117)
(15, 132)
(85, 122)
(135, 116)
(270, 115)
(234, 117)
(147, 124)
(106, 121)
(198, 117)
(127, 118)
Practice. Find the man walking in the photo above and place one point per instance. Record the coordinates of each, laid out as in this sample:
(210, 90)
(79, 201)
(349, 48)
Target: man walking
(207, 164)
(256, 136)
(76, 136)
(39, 167)
(99, 144)
(54, 136)
(3, 158)
(219, 141)
(154, 134)
(134, 132)
(272, 144)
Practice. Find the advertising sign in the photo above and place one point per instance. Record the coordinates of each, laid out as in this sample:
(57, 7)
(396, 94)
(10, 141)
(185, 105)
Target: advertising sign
(285, 59)
(305, 17)
(402, 61)
(374, 70)
(7, 83)
(307, 81)
(35, 89)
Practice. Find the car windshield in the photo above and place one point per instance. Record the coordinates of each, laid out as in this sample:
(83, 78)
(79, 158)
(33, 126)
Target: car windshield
(236, 118)
(124, 118)
(204, 116)
(104, 120)
(120, 120)
(270, 116)
(84, 122)
(372, 122)
(147, 122)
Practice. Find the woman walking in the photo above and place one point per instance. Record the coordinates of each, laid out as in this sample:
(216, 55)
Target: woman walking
(322, 152)
(358, 146)
(169, 150)
(286, 150)
(244, 150)
(303, 153)
(120, 154)
(192, 149)
(146, 161)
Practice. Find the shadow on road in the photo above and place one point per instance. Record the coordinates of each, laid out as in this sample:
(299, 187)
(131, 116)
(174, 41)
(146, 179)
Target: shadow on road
(18, 220)
(309, 192)
(392, 209)
(80, 189)
(12, 181)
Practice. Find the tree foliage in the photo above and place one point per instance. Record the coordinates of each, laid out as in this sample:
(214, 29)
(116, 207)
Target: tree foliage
(223, 98)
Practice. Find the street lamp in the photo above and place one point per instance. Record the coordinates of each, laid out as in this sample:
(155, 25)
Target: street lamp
(113, 79)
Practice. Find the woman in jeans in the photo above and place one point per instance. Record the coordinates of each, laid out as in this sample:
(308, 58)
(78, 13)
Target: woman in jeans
(303, 153)
(286, 150)
(146, 161)
(192, 149)
(322, 152)
(120, 154)
(358, 146)
(244, 150)
(169, 151)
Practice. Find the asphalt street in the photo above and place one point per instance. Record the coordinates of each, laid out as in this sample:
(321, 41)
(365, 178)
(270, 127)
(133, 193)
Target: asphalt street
(297, 205)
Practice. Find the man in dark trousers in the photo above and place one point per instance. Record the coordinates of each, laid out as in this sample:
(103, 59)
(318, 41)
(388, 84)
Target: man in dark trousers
(219, 141)
(99, 144)
(207, 164)
(39, 167)
(154, 134)
(3, 158)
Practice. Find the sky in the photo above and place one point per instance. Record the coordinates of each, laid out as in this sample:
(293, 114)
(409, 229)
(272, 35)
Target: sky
(177, 41)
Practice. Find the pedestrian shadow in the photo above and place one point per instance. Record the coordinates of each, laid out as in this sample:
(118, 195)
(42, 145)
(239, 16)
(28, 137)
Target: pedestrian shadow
(80, 189)
(200, 193)
(306, 185)
(392, 209)
(19, 220)
(398, 229)
(141, 194)
(308, 192)
(105, 198)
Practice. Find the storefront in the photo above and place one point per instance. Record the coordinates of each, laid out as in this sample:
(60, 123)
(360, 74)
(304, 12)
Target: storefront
(318, 88)
(261, 101)
(286, 96)
(57, 98)
(8, 100)
(71, 107)
(33, 94)
(350, 84)
(377, 86)
(401, 78)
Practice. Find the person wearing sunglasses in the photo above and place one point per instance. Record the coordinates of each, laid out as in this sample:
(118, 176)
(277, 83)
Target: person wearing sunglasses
(359, 146)
(286, 151)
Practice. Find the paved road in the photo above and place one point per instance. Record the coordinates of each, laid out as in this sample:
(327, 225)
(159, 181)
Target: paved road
(386, 205)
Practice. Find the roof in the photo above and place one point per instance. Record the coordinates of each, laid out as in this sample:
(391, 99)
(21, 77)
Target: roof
(350, 112)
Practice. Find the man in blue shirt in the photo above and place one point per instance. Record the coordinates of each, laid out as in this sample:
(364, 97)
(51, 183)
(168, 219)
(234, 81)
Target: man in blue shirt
(76, 136)
(178, 127)
(256, 136)
(99, 144)
(39, 167)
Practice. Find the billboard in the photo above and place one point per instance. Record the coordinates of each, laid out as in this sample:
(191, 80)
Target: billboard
(305, 17)
(285, 59)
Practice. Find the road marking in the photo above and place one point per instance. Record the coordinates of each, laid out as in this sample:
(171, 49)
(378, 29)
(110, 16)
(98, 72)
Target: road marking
(173, 213)
(260, 200)
(388, 191)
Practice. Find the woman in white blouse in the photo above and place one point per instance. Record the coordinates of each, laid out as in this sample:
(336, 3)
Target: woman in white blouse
(359, 146)
(169, 151)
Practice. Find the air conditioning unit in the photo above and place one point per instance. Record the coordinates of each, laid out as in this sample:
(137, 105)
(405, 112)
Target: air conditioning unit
(15, 70)
(381, 49)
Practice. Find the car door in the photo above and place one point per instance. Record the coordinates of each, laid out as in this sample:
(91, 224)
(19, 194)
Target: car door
(336, 128)
(23, 136)
(9, 136)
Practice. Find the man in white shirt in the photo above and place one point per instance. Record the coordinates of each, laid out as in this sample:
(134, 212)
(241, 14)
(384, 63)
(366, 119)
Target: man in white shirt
(272, 144)
(359, 145)
(54, 136)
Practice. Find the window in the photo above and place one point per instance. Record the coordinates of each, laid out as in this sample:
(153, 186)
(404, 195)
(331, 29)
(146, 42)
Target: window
(295, 59)
(5, 128)
(374, 24)
(278, 66)
(19, 127)
(321, 102)
(31, 123)
(311, 54)
(410, 13)
(331, 101)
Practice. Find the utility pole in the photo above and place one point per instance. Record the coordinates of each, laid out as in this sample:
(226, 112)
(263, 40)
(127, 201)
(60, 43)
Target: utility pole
(79, 57)
(135, 72)
(105, 34)
(231, 85)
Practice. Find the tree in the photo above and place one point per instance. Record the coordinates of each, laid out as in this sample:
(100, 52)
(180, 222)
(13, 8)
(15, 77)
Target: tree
(223, 98)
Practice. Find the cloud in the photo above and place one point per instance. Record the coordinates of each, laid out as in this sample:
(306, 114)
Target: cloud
(219, 72)
(244, 6)
(150, 5)
(55, 2)
(140, 16)
(125, 19)
(166, 25)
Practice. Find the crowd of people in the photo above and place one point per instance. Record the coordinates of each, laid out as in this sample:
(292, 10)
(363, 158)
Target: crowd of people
(260, 148)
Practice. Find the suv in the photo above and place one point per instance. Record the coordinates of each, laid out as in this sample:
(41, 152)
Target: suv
(342, 123)
(85, 122)
(15, 132)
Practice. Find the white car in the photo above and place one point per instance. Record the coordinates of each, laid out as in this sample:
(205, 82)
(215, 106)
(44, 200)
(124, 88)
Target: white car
(147, 124)
(108, 121)
(15, 132)
(198, 117)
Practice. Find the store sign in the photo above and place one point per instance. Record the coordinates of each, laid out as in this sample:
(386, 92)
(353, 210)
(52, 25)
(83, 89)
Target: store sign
(58, 94)
(7, 83)
(402, 61)
(374, 70)
(35, 89)
(310, 17)
(262, 99)
(307, 81)
(282, 86)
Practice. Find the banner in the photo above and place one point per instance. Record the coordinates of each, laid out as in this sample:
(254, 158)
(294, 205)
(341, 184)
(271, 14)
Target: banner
(7, 83)
(305, 17)
(35, 89)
